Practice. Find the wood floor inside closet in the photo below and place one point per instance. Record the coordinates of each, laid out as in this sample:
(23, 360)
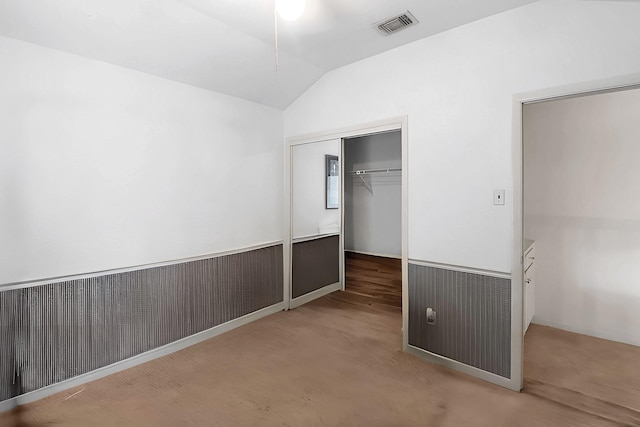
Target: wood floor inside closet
(373, 278)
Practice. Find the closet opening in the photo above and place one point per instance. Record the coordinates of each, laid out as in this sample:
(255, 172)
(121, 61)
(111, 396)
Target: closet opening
(372, 218)
(346, 244)
(580, 293)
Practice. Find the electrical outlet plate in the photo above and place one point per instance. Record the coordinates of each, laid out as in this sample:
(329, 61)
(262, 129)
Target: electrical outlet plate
(431, 316)
(498, 197)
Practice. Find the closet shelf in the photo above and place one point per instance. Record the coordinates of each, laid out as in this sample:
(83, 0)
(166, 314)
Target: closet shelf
(363, 172)
(370, 171)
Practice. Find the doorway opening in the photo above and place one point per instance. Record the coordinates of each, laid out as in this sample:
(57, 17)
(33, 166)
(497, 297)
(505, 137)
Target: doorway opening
(372, 218)
(582, 210)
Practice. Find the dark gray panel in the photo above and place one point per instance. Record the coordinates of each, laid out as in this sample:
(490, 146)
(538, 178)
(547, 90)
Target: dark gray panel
(315, 264)
(473, 322)
(9, 325)
(57, 331)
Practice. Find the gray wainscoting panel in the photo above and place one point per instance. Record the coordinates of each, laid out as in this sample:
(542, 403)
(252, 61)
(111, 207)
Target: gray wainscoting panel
(473, 317)
(9, 324)
(315, 264)
(54, 332)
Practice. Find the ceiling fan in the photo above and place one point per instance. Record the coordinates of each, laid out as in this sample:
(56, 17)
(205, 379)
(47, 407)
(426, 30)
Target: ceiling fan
(289, 10)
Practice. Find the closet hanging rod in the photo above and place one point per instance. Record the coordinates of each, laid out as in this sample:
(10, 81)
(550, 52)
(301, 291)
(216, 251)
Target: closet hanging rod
(366, 171)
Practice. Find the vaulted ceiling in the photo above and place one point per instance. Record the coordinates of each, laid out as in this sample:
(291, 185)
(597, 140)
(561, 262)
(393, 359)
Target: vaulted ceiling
(228, 45)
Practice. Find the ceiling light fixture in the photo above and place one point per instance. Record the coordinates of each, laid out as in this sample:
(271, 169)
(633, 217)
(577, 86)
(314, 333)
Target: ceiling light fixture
(290, 9)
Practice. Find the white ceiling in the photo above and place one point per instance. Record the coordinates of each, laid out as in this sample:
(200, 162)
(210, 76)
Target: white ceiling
(228, 45)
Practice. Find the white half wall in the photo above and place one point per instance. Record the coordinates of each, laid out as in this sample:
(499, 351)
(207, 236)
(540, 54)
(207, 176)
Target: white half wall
(309, 185)
(102, 167)
(457, 90)
(582, 207)
(373, 218)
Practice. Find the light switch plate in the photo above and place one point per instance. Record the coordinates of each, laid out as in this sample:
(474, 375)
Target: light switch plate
(498, 197)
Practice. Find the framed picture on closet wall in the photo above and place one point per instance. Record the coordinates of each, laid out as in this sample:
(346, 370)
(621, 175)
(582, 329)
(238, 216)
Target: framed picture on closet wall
(332, 172)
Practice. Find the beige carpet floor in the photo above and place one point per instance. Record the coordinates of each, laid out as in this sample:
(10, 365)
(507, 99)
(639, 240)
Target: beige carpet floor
(333, 362)
(594, 375)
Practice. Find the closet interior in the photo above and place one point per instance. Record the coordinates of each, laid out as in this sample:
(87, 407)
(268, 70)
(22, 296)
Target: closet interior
(373, 217)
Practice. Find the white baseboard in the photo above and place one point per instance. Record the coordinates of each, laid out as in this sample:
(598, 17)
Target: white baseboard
(461, 367)
(588, 332)
(32, 396)
(297, 302)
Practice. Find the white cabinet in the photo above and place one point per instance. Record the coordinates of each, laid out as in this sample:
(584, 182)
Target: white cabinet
(529, 284)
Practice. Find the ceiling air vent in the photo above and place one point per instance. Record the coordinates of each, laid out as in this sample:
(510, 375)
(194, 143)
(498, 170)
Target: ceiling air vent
(397, 23)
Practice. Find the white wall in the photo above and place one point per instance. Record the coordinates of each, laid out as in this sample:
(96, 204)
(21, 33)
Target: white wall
(457, 89)
(582, 206)
(309, 210)
(103, 167)
(373, 219)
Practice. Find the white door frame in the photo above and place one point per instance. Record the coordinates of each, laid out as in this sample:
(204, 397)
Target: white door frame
(519, 100)
(396, 123)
